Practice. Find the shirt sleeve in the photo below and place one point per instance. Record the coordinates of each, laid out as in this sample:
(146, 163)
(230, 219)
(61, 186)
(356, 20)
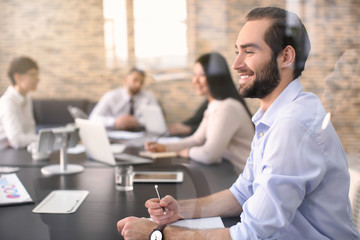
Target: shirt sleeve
(12, 124)
(102, 111)
(291, 166)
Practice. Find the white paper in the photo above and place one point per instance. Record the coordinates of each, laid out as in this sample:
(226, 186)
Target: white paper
(126, 135)
(4, 169)
(79, 148)
(61, 201)
(164, 140)
(200, 223)
(12, 190)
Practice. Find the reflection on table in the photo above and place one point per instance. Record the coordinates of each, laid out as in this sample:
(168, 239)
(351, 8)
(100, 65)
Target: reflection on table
(97, 216)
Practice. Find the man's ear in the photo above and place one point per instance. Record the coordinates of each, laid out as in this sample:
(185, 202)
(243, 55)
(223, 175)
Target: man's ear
(287, 57)
(126, 80)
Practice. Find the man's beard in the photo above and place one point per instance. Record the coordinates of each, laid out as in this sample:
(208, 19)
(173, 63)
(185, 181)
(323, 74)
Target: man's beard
(134, 91)
(267, 79)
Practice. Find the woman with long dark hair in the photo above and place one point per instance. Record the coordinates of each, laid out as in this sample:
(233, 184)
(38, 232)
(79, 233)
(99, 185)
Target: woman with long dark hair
(226, 130)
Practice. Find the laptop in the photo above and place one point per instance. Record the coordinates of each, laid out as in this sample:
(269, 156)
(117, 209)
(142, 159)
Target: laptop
(154, 123)
(97, 145)
(154, 120)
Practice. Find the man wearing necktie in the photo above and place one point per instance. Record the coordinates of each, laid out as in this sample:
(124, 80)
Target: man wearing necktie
(120, 108)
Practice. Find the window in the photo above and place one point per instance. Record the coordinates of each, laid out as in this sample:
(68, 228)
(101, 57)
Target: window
(160, 33)
(115, 32)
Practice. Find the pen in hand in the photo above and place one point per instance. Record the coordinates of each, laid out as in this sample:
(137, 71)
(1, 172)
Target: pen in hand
(157, 192)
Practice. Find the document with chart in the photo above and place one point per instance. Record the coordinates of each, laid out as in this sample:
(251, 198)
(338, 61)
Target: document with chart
(12, 190)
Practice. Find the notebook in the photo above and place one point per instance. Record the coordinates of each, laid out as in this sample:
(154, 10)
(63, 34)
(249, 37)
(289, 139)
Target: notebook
(154, 120)
(97, 146)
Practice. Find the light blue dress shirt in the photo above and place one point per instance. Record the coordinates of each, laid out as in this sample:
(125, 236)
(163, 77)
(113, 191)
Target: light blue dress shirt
(295, 184)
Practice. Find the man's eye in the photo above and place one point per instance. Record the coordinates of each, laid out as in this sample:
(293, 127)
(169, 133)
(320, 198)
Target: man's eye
(249, 52)
(237, 52)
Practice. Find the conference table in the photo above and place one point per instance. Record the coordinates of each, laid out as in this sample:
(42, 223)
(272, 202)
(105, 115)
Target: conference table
(98, 214)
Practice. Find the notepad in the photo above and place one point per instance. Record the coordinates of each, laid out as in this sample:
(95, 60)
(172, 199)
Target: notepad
(61, 202)
(200, 223)
(12, 191)
(155, 155)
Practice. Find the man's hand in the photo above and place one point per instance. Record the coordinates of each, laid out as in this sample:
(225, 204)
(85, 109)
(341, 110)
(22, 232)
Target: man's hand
(157, 213)
(135, 228)
(126, 122)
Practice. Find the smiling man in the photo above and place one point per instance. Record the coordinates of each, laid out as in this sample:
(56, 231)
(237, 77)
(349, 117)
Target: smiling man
(295, 183)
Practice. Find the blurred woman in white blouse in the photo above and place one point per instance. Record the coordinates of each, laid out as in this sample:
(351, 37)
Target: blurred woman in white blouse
(226, 130)
(17, 124)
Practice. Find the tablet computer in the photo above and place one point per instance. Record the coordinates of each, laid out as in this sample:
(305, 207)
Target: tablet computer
(159, 176)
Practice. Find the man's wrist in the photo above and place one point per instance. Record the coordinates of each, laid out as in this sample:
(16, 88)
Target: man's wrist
(157, 233)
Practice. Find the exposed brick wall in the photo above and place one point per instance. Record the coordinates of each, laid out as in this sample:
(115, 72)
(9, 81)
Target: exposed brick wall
(66, 38)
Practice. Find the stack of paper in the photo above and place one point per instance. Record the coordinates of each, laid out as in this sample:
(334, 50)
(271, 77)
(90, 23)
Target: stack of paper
(200, 223)
(155, 155)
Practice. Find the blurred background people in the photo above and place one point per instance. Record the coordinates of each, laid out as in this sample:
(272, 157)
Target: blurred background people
(226, 129)
(120, 108)
(17, 124)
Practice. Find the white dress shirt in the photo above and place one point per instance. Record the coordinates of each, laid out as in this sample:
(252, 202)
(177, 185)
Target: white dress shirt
(17, 124)
(116, 103)
(296, 182)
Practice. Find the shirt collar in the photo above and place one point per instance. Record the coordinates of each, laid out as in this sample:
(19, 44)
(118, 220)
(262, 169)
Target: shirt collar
(285, 97)
(18, 97)
(127, 95)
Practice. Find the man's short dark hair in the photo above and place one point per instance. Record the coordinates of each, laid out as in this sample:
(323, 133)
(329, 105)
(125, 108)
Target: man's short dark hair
(286, 29)
(135, 69)
(21, 65)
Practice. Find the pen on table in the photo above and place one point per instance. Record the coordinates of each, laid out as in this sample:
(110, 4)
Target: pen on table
(157, 192)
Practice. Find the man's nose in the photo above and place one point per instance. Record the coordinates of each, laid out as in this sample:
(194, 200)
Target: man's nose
(238, 62)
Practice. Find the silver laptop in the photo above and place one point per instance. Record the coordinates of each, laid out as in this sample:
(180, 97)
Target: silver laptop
(97, 146)
(154, 120)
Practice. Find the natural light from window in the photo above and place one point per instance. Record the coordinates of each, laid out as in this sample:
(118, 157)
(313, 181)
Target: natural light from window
(160, 33)
(115, 32)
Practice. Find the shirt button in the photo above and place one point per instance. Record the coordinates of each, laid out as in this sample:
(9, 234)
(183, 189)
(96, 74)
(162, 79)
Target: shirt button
(261, 134)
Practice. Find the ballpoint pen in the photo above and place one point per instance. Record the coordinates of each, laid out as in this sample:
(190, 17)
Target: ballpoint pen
(157, 192)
